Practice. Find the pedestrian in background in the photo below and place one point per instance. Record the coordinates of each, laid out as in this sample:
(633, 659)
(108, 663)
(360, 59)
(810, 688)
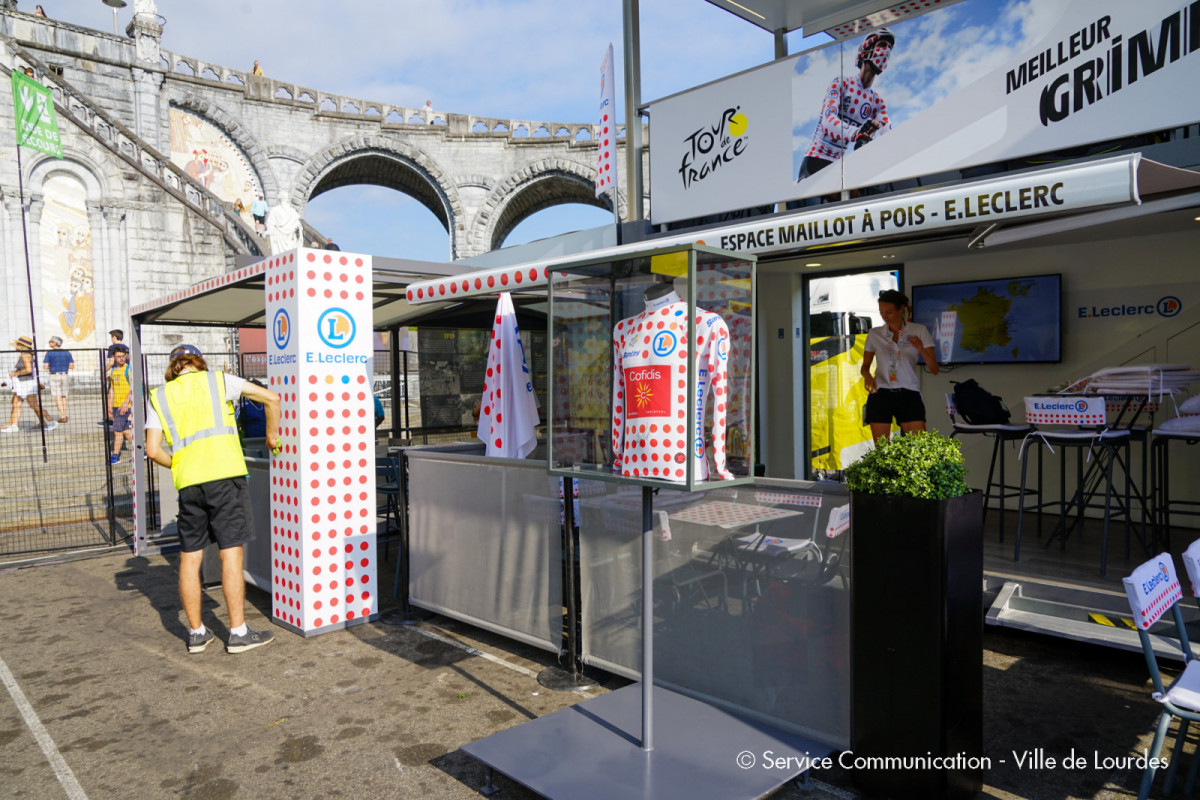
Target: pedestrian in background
(209, 472)
(119, 400)
(25, 387)
(258, 210)
(59, 364)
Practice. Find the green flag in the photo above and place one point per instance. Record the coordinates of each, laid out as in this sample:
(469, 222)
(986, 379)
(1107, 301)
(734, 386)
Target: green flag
(37, 127)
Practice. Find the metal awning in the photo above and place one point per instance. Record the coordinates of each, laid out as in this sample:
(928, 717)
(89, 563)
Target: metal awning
(990, 211)
(839, 18)
(238, 299)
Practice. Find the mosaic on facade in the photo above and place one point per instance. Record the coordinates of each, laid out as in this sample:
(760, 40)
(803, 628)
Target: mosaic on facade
(209, 157)
(68, 285)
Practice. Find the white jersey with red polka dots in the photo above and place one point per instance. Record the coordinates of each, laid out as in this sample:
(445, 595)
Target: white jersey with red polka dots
(848, 104)
(654, 432)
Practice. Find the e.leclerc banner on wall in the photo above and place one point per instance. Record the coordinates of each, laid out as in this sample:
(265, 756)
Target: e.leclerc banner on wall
(973, 83)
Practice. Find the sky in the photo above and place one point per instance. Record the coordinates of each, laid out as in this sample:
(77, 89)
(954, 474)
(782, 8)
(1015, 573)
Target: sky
(524, 59)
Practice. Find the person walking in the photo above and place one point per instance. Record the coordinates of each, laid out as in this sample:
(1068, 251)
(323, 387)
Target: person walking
(120, 400)
(59, 364)
(193, 414)
(258, 210)
(895, 389)
(25, 387)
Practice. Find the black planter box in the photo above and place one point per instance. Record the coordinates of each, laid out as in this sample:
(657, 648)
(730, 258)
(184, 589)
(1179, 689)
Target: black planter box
(917, 644)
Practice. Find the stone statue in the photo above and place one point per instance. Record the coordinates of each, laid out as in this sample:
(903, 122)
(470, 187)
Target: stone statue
(283, 228)
(145, 7)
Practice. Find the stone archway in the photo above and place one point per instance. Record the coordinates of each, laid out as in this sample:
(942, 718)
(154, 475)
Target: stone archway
(378, 161)
(539, 186)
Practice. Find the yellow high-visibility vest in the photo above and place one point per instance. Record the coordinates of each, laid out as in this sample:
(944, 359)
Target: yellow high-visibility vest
(200, 427)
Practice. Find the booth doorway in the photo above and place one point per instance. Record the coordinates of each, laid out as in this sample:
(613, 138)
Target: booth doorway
(839, 311)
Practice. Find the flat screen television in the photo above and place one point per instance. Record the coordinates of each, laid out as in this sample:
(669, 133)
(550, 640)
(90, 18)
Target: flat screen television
(1000, 321)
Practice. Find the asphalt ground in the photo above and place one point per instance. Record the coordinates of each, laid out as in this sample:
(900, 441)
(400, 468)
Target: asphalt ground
(103, 701)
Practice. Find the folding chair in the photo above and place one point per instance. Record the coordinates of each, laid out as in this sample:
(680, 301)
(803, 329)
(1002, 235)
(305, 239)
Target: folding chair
(1001, 433)
(1153, 590)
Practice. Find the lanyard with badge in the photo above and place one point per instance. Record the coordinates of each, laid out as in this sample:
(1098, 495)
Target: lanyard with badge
(894, 350)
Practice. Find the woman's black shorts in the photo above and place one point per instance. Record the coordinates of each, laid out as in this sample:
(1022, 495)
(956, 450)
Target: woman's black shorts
(903, 404)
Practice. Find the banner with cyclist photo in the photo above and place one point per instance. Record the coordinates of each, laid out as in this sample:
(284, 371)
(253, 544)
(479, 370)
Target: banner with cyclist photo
(970, 84)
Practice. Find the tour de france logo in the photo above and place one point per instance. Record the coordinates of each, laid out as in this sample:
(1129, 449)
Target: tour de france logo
(664, 343)
(281, 329)
(336, 328)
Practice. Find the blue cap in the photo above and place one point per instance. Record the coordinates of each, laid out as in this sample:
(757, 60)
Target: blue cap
(186, 349)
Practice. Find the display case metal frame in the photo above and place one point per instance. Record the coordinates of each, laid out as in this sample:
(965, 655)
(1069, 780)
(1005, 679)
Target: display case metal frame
(594, 267)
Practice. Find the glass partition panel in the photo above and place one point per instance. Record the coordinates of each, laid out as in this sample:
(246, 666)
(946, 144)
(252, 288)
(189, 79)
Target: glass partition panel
(751, 596)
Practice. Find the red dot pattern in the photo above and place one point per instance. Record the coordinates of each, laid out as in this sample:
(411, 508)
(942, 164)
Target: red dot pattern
(323, 566)
(486, 282)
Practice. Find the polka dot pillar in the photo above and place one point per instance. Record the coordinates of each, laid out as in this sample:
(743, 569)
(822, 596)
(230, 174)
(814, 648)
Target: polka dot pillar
(320, 348)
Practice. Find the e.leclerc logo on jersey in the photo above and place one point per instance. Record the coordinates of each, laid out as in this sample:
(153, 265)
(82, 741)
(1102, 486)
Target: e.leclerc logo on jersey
(711, 146)
(664, 344)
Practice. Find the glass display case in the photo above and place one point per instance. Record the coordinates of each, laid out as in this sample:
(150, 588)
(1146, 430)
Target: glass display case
(651, 368)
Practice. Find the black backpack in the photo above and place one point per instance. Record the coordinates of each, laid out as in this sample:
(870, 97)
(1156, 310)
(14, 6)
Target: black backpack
(977, 405)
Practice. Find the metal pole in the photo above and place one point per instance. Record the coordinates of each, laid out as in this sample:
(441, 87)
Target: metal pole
(394, 355)
(141, 470)
(647, 618)
(633, 119)
(37, 377)
(568, 492)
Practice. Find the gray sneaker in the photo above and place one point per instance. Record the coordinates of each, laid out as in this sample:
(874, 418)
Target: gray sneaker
(198, 641)
(248, 640)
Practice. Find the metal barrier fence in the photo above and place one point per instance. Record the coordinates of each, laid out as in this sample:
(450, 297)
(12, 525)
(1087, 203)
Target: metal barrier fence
(69, 496)
(65, 495)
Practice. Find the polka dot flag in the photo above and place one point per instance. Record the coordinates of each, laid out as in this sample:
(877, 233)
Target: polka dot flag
(606, 132)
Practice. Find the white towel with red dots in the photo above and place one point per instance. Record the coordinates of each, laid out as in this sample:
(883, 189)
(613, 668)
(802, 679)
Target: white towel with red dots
(508, 413)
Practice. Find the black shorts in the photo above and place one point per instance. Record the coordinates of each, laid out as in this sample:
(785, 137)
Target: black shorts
(262, 219)
(216, 511)
(903, 404)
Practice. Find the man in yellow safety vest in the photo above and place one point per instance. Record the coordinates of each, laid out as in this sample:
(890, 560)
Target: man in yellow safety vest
(193, 412)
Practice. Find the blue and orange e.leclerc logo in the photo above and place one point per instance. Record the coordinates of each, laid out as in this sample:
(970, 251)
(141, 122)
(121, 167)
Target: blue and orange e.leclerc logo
(336, 328)
(281, 329)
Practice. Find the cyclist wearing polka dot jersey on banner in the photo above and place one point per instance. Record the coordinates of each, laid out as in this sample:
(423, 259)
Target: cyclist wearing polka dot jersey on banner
(654, 433)
(853, 112)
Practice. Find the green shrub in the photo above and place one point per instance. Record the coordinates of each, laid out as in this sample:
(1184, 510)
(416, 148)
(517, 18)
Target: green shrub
(926, 465)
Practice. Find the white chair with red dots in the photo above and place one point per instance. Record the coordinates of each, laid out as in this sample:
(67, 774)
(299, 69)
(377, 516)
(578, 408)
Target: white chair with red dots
(1154, 592)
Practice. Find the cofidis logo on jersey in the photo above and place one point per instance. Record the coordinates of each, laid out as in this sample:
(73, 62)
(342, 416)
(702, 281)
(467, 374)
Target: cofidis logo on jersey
(281, 329)
(336, 328)
(712, 146)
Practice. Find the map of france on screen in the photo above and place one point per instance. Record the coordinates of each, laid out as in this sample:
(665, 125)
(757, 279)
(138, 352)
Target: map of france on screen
(1014, 319)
